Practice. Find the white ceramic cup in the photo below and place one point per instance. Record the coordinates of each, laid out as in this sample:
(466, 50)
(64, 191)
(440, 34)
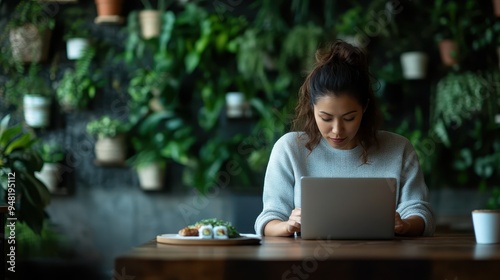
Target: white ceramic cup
(486, 226)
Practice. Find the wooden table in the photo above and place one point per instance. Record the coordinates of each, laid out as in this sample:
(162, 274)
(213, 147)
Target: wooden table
(449, 256)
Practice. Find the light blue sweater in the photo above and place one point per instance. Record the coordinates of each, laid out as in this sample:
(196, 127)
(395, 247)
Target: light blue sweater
(290, 160)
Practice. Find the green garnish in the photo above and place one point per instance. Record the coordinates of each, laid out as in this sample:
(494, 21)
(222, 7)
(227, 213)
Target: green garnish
(231, 230)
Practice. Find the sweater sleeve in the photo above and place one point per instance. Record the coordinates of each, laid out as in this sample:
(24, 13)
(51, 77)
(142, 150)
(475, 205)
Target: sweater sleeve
(413, 196)
(278, 191)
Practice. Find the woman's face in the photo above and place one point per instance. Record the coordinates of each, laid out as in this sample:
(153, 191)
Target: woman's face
(338, 119)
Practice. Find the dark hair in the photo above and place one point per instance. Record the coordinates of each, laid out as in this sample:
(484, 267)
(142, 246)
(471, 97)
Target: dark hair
(340, 69)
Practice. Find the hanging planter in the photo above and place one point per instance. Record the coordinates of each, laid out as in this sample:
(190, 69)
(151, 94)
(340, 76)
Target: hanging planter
(75, 47)
(496, 7)
(50, 176)
(111, 150)
(236, 105)
(111, 145)
(77, 33)
(151, 176)
(150, 23)
(28, 44)
(448, 50)
(51, 173)
(109, 11)
(30, 29)
(414, 65)
(36, 110)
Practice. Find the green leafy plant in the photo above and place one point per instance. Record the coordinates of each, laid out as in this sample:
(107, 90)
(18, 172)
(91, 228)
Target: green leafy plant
(159, 83)
(231, 230)
(162, 5)
(301, 43)
(160, 136)
(106, 126)
(494, 199)
(350, 21)
(76, 23)
(465, 120)
(209, 53)
(44, 244)
(18, 163)
(33, 12)
(460, 96)
(140, 51)
(50, 152)
(30, 83)
(78, 86)
(453, 19)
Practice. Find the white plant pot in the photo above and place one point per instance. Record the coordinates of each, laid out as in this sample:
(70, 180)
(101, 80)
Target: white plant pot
(150, 23)
(50, 176)
(111, 150)
(152, 176)
(236, 105)
(75, 47)
(486, 226)
(36, 110)
(414, 65)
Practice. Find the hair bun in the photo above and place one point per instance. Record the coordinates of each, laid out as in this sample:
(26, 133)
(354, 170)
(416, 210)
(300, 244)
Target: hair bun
(340, 52)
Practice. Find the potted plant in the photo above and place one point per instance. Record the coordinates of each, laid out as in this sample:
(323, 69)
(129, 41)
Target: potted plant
(36, 96)
(451, 22)
(51, 154)
(30, 31)
(78, 86)
(18, 163)
(111, 145)
(214, 58)
(236, 105)
(157, 138)
(156, 88)
(156, 72)
(414, 65)
(444, 18)
(413, 58)
(150, 18)
(76, 32)
(109, 11)
(465, 120)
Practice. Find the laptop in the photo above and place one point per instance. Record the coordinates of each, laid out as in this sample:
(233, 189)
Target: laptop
(348, 208)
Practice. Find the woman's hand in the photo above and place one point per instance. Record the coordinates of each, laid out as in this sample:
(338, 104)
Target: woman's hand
(401, 226)
(411, 226)
(293, 223)
(284, 228)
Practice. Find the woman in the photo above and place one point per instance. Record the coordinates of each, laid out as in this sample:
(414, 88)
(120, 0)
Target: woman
(337, 135)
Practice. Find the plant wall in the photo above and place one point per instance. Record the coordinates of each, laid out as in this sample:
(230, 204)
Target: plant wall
(174, 85)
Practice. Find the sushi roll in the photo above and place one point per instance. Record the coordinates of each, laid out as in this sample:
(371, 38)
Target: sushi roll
(220, 232)
(206, 232)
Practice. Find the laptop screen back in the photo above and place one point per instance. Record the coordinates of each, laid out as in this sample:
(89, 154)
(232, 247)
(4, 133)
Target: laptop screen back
(347, 208)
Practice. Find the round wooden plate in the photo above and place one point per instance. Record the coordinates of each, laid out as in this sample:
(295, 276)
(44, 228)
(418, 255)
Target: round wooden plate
(176, 239)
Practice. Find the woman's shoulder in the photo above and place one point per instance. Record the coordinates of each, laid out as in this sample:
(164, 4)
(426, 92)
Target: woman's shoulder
(293, 138)
(291, 144)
